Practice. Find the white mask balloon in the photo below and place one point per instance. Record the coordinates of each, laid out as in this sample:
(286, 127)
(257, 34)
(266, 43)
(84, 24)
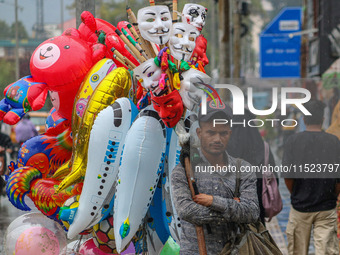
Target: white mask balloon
(148, 73)
(182, 41)
(195, 15)
(154, 23)
(191, 88)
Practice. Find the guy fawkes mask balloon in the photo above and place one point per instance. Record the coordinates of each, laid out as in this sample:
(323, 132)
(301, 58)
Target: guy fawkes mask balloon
(148, 73)
(182, 41)
(154, 23)
(195, 15)
(191, 88)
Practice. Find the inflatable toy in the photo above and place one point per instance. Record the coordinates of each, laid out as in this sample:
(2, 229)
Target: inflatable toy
(145, 143)
(106, 143)
(22, 96)
(115, 85)
(32, 234)
(102, 166)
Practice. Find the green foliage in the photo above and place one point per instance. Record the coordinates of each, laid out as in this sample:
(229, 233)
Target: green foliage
(114, 11)
(8, 32)
(4, 30)
(7, 73)
(21, 31)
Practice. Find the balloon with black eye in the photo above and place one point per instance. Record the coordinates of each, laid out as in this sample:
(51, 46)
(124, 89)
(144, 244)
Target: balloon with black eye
(194, 14)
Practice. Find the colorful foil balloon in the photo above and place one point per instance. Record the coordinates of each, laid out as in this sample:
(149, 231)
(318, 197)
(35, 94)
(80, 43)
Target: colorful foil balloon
(21, 97)
(115, 85)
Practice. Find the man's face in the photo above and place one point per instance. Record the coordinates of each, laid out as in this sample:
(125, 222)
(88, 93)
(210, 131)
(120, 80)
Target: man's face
(214, 140)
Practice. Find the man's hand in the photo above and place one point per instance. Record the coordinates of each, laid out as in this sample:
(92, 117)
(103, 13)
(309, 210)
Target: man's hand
(203, 199)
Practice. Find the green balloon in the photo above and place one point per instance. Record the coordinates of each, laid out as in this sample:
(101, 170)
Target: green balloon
(170, 247)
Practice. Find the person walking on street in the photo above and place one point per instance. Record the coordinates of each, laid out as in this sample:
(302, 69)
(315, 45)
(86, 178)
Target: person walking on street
(313, 199)
(214, 207)
(25, 130)
(6, 146)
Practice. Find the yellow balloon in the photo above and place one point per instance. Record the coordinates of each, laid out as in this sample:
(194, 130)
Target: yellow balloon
(62, 171)
(94, 77)
(115, 85)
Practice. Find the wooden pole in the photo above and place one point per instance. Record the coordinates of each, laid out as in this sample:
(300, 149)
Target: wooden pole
(236, 40)
(224, 43)
(146, 45)
(174, 11)
(212, 14)
(131, 46)
(17, 66)
(199, 229)
(304, 43)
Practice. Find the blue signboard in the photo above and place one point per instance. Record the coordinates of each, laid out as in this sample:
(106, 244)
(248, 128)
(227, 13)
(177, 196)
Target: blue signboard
(279, 47)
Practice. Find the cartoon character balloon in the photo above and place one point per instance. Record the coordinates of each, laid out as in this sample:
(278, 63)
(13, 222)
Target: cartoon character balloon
(195, 15)
(62, 62)
(154, 23)
(20, 97)
(182, 41)
(149, 74)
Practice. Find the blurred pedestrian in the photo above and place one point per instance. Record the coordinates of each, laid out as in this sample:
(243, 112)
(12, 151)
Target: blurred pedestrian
(25, 130)
(6, 146)
(246, 142)
(313, 200)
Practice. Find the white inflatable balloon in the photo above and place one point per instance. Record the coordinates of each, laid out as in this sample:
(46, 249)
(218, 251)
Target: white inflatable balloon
(47, 235)
(138, 175)
(105, 148)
